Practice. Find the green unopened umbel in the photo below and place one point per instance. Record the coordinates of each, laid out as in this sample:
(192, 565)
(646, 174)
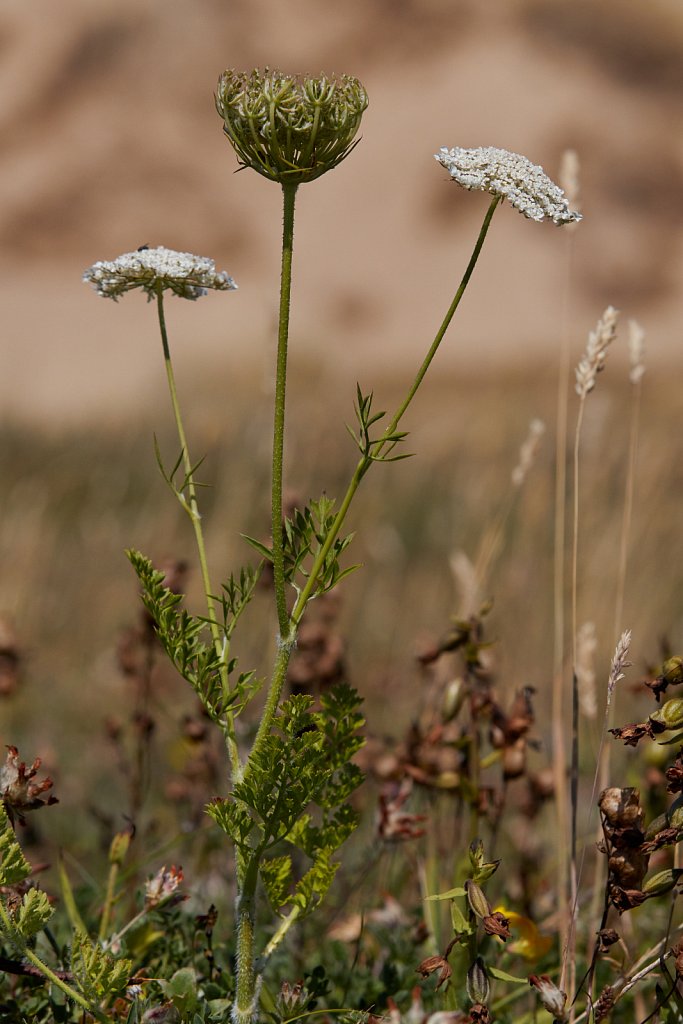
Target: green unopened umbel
(290, 129)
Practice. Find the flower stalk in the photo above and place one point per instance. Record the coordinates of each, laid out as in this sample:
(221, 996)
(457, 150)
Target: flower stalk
(191, 506)
(288, 197)
(382, 444)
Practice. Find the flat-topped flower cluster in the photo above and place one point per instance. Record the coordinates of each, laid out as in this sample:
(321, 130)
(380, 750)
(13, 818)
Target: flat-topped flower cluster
(152, 270)
(526, 186)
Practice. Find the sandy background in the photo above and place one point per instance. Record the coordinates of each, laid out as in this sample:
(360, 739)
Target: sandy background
(109, 139)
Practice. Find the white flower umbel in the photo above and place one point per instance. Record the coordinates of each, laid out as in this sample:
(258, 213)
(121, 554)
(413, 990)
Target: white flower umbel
(182, 273)
(526, 186)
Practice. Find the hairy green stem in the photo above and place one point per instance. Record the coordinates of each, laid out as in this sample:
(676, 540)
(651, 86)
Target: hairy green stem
(246, 994)
(244, 1007)
(277, 683)
(246, 989)
(288, 197)
(220, 643)
(381, 445)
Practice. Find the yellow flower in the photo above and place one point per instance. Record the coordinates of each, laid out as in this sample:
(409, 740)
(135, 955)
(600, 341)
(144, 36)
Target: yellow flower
(531, 944)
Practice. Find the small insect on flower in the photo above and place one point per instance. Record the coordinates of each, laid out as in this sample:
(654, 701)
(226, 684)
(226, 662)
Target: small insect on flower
(155, 270)
(511, 176)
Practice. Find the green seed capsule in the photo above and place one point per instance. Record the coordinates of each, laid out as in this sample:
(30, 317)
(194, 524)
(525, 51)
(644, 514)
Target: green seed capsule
(478, 988)
(672, 670)
(670, 715)
(479, 905)
(662, 882)
(676, 812)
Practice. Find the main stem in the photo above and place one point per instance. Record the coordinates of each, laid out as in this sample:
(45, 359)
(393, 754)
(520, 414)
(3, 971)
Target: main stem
(247, 980)
(246, 993)
(288, 633)
(288, 197)
(193, 511)
(246, 985)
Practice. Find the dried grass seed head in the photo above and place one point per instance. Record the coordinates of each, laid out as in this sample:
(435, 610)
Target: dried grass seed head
(290, 128)
(586, 644)
(152, 270)
(636, 348)
(511, 176)
(619, 662)
(593, 359)
(528, 452)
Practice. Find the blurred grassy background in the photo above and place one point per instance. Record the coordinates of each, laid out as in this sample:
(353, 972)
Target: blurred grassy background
(72, 504)
(110, 141)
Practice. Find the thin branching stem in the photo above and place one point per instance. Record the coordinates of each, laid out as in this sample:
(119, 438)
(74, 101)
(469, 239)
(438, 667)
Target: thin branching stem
(622, 986)
(220, 642)
(381, 445)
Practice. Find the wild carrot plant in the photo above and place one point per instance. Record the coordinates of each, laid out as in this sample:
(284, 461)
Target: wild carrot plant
(286, 804)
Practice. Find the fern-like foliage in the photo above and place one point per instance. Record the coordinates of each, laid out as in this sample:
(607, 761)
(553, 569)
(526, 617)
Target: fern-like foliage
(236, 595)
(295, 790)
(312, 888)
(97, 974)
(33, 913)
(20, 920)
(184, 638)
(375, 449)
(276, 875)
(305, 534)
(14, 867)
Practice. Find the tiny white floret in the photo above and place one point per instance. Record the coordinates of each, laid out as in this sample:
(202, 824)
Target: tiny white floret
(182, 273)
(526, 186)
